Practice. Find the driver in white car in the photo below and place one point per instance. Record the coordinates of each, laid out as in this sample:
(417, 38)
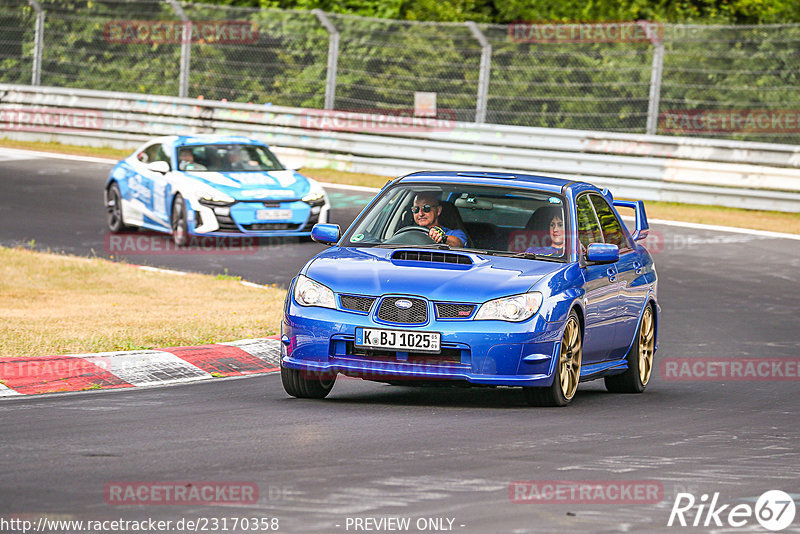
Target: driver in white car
(426, 211)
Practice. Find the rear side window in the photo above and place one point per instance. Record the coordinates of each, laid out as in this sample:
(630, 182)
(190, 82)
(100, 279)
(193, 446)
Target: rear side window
(154, 153)
(588, 227)
(612, 228)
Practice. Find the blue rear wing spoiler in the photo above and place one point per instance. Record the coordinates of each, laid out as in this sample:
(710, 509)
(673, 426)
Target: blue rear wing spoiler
(642, 227)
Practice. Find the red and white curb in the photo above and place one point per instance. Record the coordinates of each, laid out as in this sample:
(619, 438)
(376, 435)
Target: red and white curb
(110, 370)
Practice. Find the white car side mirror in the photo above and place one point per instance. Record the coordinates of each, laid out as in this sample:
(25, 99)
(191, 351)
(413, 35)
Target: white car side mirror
(158, 166)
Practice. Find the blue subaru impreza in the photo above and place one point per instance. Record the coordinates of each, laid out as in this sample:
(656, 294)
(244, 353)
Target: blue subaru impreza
(484, 279)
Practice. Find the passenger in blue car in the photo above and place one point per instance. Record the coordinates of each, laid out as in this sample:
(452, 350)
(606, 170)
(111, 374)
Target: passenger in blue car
(186, 161)
(426, 210)
(555, 216)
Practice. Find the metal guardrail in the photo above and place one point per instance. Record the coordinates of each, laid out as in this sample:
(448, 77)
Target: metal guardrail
(692, 170)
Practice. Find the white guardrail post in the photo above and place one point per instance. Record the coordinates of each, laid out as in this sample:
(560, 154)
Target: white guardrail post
(186, 48)
(485, 72)
(333, 57)
(38, 43)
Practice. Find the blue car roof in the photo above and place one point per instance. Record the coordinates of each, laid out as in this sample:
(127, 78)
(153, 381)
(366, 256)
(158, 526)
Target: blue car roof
(215, 140)
(546, 183)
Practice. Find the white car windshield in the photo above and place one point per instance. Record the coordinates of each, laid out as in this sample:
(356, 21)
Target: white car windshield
(227, 158)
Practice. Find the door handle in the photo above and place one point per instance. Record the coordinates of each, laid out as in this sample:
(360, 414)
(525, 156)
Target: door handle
(638, 266)
(612, 274)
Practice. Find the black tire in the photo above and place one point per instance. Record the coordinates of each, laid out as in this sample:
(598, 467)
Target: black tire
(567, 369)
(180, 228)
(114, 218)
(639, 357)
(299, 384)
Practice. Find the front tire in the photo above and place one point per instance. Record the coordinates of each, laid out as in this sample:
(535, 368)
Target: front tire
(297, 384)
(180, 228)
(567, 371)
(114, 218)
(639, 357)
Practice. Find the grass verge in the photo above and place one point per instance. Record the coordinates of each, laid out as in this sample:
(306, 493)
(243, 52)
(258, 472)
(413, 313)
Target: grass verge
(55, 304)
(775, 221)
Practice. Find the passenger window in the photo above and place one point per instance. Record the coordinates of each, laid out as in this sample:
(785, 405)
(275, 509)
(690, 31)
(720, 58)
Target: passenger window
(612, 229)
(588, 227)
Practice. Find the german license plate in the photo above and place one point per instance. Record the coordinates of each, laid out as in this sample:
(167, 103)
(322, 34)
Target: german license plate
(273, 215)
(401, 340)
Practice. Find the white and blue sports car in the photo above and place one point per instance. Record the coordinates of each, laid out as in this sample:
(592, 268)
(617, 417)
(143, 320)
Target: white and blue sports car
(211, 186)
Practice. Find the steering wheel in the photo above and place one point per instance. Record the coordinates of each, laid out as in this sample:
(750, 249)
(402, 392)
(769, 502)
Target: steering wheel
(411, 235)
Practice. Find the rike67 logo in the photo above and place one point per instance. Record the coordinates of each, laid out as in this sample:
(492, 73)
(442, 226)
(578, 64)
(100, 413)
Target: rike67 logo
(774, 510)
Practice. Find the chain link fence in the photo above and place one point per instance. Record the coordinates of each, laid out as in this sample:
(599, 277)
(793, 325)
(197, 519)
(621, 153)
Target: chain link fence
(737, 82)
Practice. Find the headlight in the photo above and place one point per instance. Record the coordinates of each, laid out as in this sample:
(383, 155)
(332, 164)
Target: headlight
(307, 292)
(212, 197)
(315, 194)
(516, 308)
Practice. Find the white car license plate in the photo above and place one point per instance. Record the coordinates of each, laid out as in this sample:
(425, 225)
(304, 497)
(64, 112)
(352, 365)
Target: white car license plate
(402, 340)
(273, 215)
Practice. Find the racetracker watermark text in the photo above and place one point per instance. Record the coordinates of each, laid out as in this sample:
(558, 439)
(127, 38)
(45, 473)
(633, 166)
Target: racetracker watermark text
(180, 493)
(586, 492)
(377, 120)
(580, 32)
(721, 121)
(730, 369)
(177, 32)
(159, 244)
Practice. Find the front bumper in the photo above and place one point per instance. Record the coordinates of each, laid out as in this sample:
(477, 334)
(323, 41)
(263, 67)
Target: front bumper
(493, 353)
(241, 219)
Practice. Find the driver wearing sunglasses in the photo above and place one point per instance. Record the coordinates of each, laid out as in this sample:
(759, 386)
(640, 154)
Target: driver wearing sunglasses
(426, 211)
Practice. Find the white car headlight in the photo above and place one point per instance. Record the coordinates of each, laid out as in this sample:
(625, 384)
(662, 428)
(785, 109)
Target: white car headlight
(307, 292)
(214, 198)
(515, 308)
(315, 194)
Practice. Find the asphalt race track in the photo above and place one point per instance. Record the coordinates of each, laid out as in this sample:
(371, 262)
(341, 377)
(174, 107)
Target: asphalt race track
(443, 458)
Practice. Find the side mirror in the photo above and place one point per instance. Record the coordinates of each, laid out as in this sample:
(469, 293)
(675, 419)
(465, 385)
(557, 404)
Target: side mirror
(161, 167)
(642, 226)
(602, 253)
(326, 234)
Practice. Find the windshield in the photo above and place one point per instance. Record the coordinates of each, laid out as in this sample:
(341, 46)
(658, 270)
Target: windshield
(498, 220)
(227, 158)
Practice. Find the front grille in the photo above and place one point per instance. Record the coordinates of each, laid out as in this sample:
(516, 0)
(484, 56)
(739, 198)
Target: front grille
(265, 227)
(416, 314)
(447, 310)
(357, 303)
(436, 257)
(226, 224)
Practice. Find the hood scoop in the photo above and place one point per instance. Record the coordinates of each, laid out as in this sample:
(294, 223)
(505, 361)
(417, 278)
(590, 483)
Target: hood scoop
(431, 257)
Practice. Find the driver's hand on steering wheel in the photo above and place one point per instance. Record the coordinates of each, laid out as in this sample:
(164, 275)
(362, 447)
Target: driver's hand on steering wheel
(437, 234)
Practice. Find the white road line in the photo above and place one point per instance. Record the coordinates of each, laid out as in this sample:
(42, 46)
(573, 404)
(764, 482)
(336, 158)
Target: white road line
(159, 270)
(716, 228)
(329, 185)
(6, 391)
(33, 154)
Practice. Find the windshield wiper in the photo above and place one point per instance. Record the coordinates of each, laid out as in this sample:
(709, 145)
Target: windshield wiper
(526, 255)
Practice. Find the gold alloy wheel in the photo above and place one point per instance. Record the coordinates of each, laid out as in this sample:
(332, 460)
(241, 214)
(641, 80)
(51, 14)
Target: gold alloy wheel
(569, 360)
(646, 345)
